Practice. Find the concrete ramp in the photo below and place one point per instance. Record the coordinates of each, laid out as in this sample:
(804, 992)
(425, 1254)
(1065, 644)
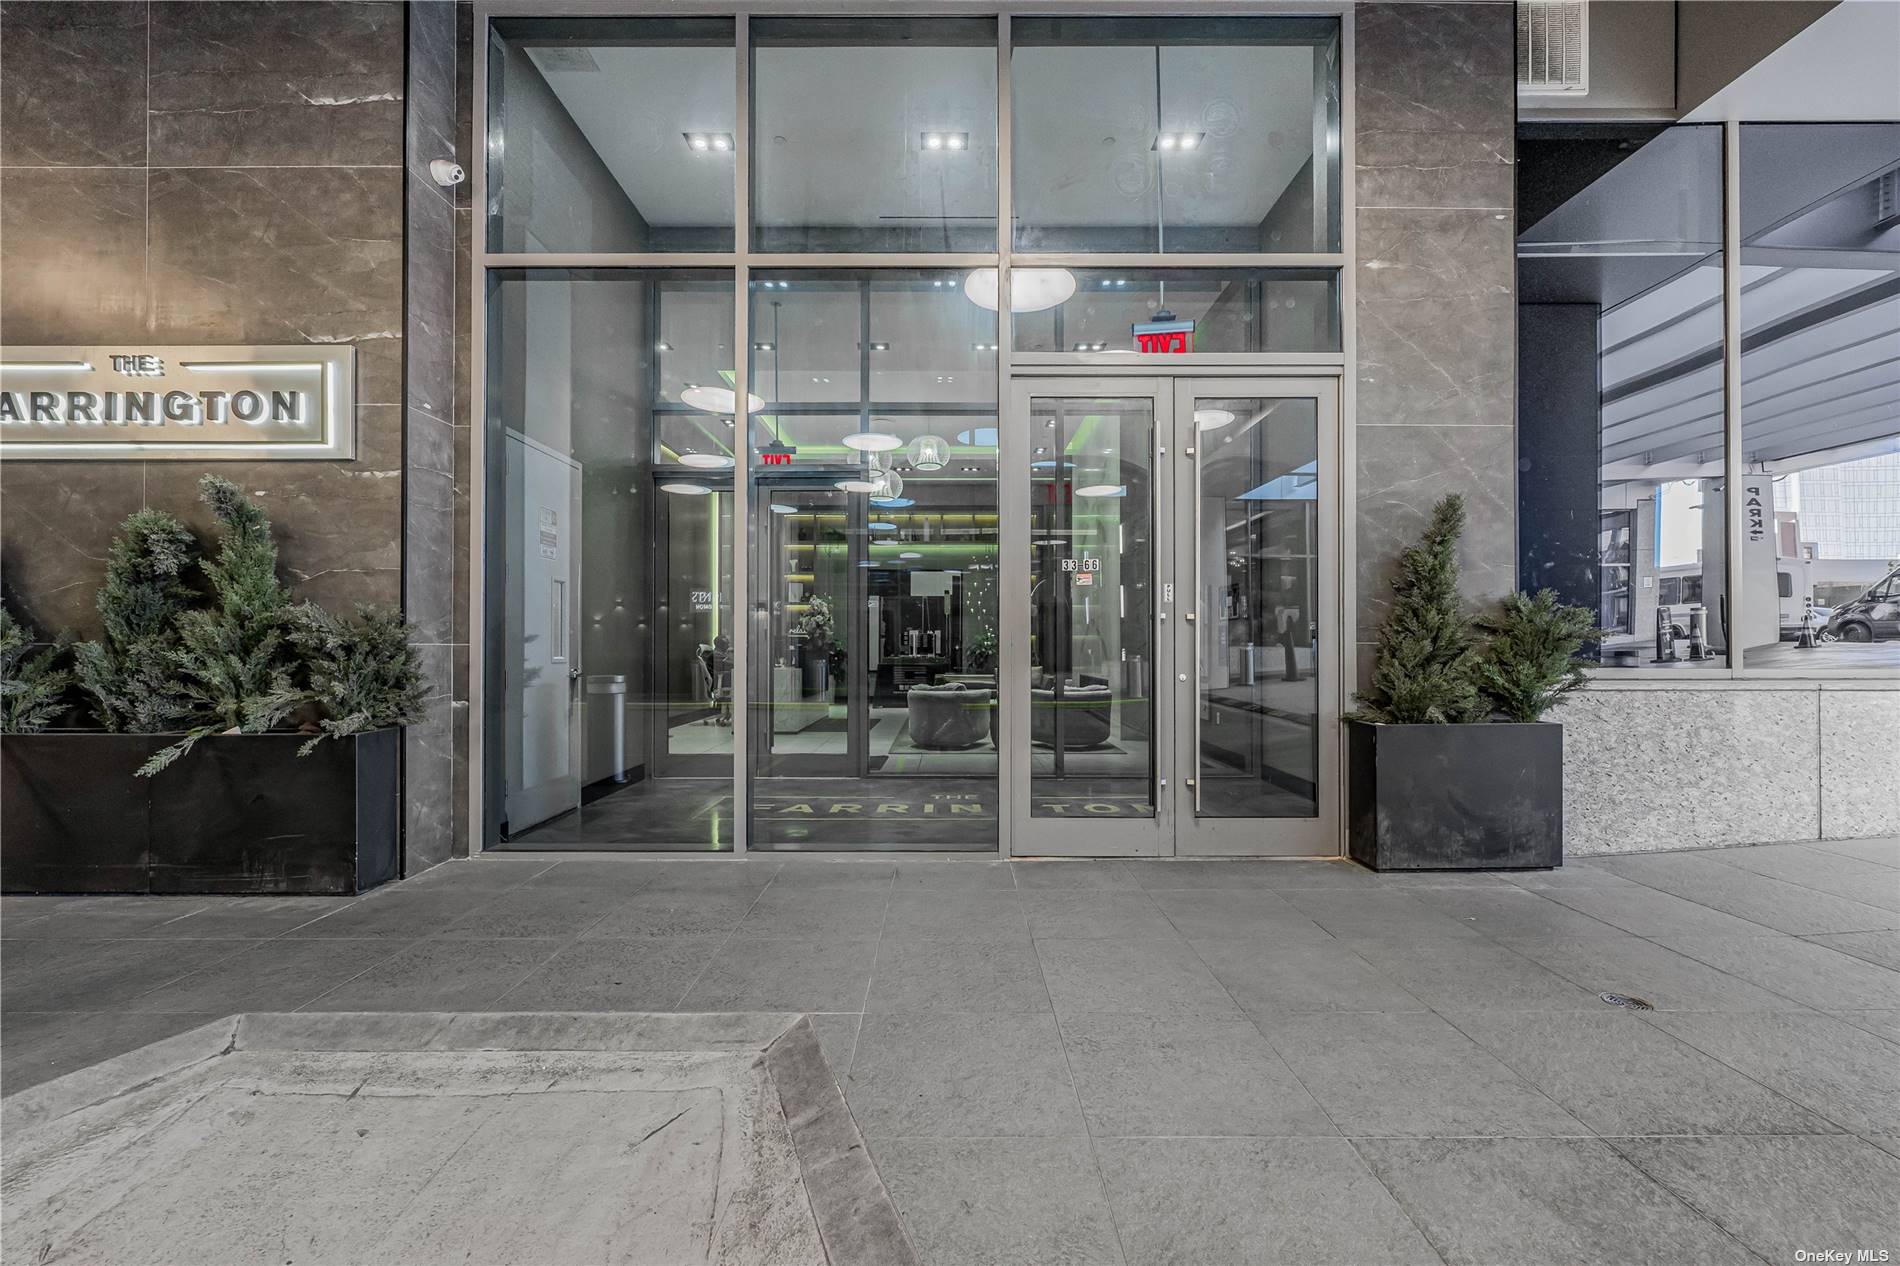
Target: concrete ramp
(309, 1140)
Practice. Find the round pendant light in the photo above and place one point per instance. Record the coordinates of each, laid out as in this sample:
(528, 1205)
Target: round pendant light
(719, 399)
(1030, 289)
(872, 442)
(1212, 419)
(1103, 490)
(705, 461)
(929, 452)
(859, 485)
(686, 490)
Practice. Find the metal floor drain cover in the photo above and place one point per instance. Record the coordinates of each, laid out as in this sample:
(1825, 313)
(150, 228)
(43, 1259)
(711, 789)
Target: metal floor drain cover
(1625, 1000)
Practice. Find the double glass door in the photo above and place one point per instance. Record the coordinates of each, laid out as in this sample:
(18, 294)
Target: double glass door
(1170, 577)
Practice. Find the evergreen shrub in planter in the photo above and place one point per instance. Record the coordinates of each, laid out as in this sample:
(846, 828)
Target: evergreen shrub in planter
(1450, 765)
(245, 744)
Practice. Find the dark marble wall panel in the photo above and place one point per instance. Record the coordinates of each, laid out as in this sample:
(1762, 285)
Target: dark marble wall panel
(57, 520)
(245, 83)
(1436, 311)
(72, 253)
(430, 589)
(63, 71)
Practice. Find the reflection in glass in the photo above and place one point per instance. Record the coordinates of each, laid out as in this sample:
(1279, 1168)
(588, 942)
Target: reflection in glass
(1257, 520)
(874, 134)
(1820, 396)
(1620, 385)
(611, 589)
(1143, 134)
(873, 484)
(1230, 310)
(1091, 604)
(611, 134)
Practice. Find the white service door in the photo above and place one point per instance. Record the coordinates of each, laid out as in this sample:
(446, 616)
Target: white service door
(543, 740)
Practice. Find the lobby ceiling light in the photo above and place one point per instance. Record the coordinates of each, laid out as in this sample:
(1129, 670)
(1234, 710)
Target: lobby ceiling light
(708, 142)
(859, 485)
(1090, 347)
(979, 437)
(878, 347)
(1176, 142)
(892, 503)
(662, 346)
(872, 442)
(763, 347)
(685, 490)
(1103, 490)
(983, 347)
(705, 461)
(1030, 289)
(718, 399)
(882, 527)
(779, 507)
(910, 553)
(929, 452)
(953, 142)
(1213, 419)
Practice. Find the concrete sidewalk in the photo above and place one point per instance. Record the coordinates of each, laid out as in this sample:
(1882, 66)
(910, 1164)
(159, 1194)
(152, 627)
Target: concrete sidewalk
(1113, 1062)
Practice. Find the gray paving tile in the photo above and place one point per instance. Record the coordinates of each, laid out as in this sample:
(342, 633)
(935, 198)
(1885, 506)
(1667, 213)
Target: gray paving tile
(1095, 914)
(1242, 1202)
(1143, 1075)
(780, 974)
(1881, 948)
(1884, 851)
(1206, 875)
(1648, 912)
(491, 870)
(1035, 875)
(1136, 976)
(1266, 977)
(707, 874)
(1781, 1195)
(1507, 913)
(961, 1076)
(1370, 915)
(1335, 873)
(808, 875)
(1869, 883)
(1620, 1075)
(1888, 1143)
(936, 875)
(439, 975)
(1660, 976)
(1574, 873)
(981, 914)
(623, 876)
(1246, 912)
(400, 912)
(653, 912)
(920, 975)
(1475, 976)
(842, 914)
(1532, 1202)
(1000, 1202)
(114, 918)
(105, 975)
(39, 1046)
(1413, 1074)
(1806, 973)
(250, 918)
(1772, 903)
(271, 976)
(1880, 1023)
(837, 1038)
(1841, 1072)
(540, 912)
(640, 973)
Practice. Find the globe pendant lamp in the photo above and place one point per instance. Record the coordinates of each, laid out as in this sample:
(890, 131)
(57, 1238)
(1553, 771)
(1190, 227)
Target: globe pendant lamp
(929, 452)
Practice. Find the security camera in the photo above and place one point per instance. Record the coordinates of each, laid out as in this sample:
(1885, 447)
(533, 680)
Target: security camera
(447, 172)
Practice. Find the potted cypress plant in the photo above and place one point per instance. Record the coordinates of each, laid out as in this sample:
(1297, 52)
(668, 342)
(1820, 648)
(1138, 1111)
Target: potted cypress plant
(1451, 764)
(245, 743)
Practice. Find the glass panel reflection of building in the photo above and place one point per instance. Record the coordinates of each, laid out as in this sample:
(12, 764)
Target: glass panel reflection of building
(874, 562)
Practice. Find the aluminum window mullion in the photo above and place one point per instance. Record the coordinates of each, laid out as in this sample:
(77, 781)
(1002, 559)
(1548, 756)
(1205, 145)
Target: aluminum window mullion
(1732, 389)
(1006, 700)
(742, 436)
(1247, 259)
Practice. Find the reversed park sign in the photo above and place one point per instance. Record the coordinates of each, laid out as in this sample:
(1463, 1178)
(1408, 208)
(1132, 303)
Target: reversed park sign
(247, 403)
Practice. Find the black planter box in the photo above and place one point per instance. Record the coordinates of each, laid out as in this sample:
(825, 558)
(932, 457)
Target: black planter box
(241, 813)
(1456, 797)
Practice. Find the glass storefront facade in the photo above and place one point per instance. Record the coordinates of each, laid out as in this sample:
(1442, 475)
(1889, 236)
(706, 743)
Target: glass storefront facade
(751, 457)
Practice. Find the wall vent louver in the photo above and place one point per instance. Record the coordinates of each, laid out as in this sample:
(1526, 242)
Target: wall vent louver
(1553, 46)
(1887, 199)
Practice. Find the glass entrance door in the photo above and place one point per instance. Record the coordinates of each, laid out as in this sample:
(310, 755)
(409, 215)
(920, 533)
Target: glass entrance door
(1172, 556)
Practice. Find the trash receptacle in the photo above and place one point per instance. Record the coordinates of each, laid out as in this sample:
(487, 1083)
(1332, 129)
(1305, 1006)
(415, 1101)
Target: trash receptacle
(607, 727)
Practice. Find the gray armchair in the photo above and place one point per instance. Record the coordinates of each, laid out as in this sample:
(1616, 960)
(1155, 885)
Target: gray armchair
(1087, 712)
(949, 718)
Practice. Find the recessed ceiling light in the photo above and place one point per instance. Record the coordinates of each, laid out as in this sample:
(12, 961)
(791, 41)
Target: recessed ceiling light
(878, 347)
(983, 347)
(1090, 347)
(941, 141)
(1210, 419)
(663, 346)
(686, 490)
(872, 442)
(762, 347)
(1168, 142)
(705, 461)
(718, 399)
(708, 142)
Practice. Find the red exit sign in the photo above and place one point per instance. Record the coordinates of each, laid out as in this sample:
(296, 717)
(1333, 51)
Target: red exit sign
(1164, 337)
(775, 459)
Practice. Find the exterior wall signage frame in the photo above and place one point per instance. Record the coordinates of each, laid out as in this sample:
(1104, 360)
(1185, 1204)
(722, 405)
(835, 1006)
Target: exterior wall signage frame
(112, 403)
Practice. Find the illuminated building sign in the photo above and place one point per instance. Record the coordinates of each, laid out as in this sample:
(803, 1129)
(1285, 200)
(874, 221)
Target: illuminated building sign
(243, 403)
(1164, 337)
(777, 453)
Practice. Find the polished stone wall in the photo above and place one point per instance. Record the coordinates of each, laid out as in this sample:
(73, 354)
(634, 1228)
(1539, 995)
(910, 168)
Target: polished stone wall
(1436, 316)
(1660, 765)
(246, 172)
